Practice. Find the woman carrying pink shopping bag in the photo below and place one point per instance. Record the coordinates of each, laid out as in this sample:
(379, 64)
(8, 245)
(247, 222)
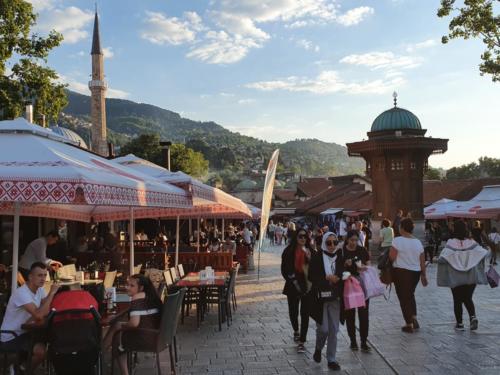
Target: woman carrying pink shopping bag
(356, 259)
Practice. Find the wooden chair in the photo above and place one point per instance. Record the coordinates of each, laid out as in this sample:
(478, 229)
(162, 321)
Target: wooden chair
(168, 278)
(137, 269)
(180, 270)
(175, 276)
(109, 279)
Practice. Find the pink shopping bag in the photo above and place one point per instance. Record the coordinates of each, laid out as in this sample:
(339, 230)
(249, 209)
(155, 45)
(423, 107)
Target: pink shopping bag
(353, 294)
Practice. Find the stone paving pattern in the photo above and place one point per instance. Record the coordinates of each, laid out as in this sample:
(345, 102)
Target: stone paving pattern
(260, 339)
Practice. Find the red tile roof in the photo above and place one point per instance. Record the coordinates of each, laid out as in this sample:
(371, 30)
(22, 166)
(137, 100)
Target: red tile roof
(285, 195)
(459, 190)
(328, 196)
(309, 187)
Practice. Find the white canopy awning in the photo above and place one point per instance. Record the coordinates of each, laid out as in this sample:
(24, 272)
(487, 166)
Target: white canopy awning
(332, 211)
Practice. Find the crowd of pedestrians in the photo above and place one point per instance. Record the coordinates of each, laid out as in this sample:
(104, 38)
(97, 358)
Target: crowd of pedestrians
(321, 265)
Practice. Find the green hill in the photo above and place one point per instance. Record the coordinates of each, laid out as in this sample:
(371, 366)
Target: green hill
(222, 148)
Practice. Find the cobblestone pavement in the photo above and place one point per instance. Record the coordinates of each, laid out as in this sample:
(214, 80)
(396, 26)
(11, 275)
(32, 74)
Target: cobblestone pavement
(260, 342)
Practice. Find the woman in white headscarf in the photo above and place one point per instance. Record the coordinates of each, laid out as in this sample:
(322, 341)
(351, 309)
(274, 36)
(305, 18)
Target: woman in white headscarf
(325, 274)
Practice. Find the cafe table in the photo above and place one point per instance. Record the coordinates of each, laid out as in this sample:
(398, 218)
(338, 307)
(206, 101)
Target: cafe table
(192, 281)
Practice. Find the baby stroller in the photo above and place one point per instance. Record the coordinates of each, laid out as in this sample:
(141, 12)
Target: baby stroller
(74, 334)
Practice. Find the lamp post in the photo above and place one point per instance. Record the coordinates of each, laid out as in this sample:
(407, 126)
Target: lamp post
(165, 151)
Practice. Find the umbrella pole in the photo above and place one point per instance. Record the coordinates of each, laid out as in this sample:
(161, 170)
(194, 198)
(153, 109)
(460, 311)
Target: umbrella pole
(223, 229)
(132, 236)
(198, 237)
(177, 241)
(15, 246)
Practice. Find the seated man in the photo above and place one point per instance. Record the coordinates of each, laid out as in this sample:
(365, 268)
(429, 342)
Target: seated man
(28, 303)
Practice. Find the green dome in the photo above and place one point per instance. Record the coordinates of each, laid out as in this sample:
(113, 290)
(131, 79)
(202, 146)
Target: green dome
(396, 119)
(246, 185)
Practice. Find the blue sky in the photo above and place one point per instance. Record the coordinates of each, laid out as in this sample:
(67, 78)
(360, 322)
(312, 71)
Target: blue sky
(286, 69)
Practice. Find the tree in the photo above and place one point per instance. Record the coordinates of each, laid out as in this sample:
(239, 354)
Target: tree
(26, 52)
(182, 158)
(476, 19)
(433, 174)
(188, 161)
(463, 172)
(489, 167)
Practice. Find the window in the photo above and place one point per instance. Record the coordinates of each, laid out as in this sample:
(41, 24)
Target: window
(397, 165)
(426, 165)
(413, 165)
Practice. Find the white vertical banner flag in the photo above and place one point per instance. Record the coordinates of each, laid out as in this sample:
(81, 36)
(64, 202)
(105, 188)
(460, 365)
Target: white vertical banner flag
(267, 198)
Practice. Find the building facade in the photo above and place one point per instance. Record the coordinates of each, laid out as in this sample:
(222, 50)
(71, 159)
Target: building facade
(396, 155)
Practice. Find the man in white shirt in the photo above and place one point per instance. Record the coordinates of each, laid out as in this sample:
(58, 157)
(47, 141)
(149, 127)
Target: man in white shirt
(361, 233)
(28, 303)
(36, 251)
(247, 235)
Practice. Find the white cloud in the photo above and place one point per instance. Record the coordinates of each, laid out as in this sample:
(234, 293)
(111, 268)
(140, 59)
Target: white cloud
(221, 48)
(108, 52)
(307, 45)
(328, 82)
(40, 5)
(237, 25)
(246, 101)
(355, 16)
(382, 60)
(163, 30)
(71, 22)
(425, 44)
(82, 88)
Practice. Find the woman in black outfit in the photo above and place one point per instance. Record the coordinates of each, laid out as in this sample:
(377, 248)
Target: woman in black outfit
(356, 259)
(325, 273)
(295, 268)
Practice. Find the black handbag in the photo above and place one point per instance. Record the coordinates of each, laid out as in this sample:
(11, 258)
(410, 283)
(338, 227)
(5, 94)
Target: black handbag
(327, 295)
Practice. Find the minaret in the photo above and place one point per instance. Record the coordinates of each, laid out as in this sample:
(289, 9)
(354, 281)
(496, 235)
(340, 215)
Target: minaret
(98, 88)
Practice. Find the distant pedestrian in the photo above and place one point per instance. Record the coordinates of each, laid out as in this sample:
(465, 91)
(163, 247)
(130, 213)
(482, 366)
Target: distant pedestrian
(386, 236)
(478, 233)
(342, 229)
(325, 273)
(494, 238)
(429, 242)
(271, 228)
(295, 270)
(461, 267)
(397, 222)
(407, 255)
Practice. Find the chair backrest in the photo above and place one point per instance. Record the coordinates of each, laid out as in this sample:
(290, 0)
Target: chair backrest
(168, 278)
(109, 279)
(20, 279)
(231, 284)
(182, 293)
(168, 321)
(180, 270)
(173, 272)
(137, 269)
(68, 270)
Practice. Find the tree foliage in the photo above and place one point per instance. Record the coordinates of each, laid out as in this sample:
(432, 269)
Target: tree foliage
(476, 19)
(182, 158)
(486, 167)
(23, 71)
(433, 174)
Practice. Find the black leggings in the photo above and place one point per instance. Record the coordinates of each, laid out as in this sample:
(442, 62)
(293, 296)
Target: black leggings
(463, 295)
(350, 320)
(293, 310)
(406, 282)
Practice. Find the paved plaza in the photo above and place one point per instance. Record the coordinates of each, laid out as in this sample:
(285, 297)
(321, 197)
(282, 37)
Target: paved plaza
(260, 338)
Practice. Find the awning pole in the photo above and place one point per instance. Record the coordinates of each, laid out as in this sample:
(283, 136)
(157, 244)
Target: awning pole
(190, 227)
(198, 237)
(132, 237)
(177, 242)
(15, 245)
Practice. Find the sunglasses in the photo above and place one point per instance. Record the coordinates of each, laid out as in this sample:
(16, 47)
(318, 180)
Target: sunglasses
(301, 236)
(330, 243)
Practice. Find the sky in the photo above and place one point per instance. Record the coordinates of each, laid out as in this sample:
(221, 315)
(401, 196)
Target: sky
(286, 69)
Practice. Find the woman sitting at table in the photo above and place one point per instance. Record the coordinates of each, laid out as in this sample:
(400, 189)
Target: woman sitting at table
(214, 245)
(145, 312)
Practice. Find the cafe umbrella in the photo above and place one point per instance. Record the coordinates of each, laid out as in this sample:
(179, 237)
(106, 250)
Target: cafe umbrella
(42, 173)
